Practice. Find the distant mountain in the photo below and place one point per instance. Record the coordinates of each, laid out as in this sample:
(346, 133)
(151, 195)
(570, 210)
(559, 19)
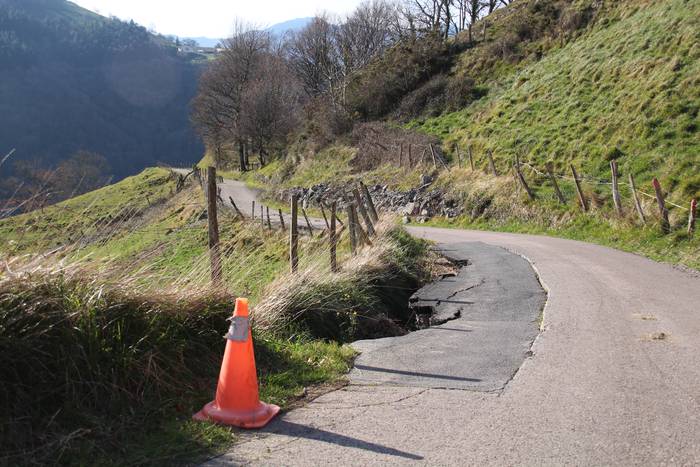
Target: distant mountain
(73, 80)
(204, 41)
(278, 30)
(292, 25)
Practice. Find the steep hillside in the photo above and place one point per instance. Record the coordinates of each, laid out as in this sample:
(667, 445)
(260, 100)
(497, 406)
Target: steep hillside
(540, 81)
(110, 294)
(74, 80)
(627, 89)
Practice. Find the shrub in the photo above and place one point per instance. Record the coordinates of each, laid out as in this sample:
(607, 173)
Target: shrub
(378, 89)
(367, 298)
(429, 100)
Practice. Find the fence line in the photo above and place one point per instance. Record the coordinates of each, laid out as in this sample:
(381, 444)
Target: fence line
(600, 182)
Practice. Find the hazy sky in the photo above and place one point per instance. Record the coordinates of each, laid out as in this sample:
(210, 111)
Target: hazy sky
(211, 18)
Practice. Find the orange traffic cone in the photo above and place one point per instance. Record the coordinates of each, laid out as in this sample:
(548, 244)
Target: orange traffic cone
(237, 402)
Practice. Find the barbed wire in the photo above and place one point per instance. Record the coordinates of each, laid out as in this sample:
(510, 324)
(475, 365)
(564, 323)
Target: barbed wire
(599, 182)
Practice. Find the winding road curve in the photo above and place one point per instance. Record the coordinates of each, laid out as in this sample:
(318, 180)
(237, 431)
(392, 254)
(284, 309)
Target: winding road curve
(613, 378)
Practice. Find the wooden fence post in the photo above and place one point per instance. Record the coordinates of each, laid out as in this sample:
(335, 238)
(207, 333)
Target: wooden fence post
(400, 154)
(294, 235)
(325, 219)
(281, 218)
(552, 178)
(637, 204)
(581, 196)
(338, 219)
(492, 164)
(351, 229)
(214, 252)
(238, 211)
(410, 158)
(368, 197)
(471, 157)
(459, 157)
(262, 216)
(432, 153)
(665, 224)
(523, 182)
(691, 217)
(252, 210)
(615, 188)
(363, 211)
(333, 240)
(362, 236)
(308, 224)
(269, 222)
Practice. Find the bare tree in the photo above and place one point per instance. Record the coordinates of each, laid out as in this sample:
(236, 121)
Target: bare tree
(312, 54)
(84, 171)
(218, 106)
(474, 9)
(34, 184)
(432, 16)
(365, 34)
(445, 17)
(271, 102)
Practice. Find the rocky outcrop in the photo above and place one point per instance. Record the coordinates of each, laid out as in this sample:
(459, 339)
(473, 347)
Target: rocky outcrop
(419, 204)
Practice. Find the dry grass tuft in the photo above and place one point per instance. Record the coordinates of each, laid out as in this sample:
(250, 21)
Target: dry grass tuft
(367, 298)
(81, 361)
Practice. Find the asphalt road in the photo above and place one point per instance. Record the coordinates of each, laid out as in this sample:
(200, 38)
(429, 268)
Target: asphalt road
(244, 196)
(491, 309)
(613, 378)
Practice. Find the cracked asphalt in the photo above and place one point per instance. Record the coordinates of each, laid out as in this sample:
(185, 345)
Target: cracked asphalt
(490, 310)
(601, 387)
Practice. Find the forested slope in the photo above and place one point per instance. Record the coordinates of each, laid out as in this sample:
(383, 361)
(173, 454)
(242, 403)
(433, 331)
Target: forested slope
(74, 80)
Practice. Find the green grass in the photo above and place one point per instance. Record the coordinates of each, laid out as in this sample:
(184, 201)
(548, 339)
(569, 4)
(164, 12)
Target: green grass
(496, 203)
(628, 88)
(133, 330)
(331, 165)
(116, 233)
(122, 373)
(90, 214)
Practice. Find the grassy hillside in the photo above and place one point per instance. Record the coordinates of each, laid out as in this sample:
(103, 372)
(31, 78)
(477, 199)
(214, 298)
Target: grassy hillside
(92, 214)
(627, 89)
(114, 286)
(580, 83)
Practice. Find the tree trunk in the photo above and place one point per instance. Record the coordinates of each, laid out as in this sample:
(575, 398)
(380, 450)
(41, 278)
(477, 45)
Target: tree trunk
(261, 155)
(241, 156)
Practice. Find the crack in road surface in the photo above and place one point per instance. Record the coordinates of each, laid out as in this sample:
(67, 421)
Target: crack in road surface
(484, 344)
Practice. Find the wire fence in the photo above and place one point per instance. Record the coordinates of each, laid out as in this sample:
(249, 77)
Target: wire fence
(92, 235)
(595, 181)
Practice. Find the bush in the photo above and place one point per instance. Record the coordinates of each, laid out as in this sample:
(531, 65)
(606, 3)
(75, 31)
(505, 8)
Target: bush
(378, 89)
(81, 365)
(428, 100)
(367, 298)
